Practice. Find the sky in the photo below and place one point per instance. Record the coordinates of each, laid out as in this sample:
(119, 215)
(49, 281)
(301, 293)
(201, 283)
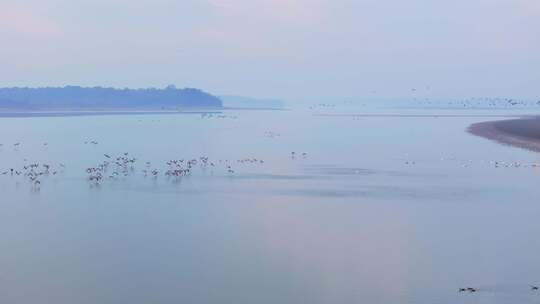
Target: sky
(292, 50)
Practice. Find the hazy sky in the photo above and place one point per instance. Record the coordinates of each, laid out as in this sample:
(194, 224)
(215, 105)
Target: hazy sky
(276, 48)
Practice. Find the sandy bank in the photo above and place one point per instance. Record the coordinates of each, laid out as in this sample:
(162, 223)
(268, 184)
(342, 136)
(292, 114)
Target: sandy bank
(523, 133)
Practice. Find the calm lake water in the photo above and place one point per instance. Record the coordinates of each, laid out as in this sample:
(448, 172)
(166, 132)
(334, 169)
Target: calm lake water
(380, 210)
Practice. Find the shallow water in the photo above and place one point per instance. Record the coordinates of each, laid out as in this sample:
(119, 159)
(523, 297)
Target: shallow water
(380, 210)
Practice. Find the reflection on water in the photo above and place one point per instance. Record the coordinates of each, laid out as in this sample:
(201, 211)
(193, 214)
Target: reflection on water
(379, 210)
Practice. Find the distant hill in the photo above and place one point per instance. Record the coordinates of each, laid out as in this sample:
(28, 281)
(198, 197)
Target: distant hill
(99, 98)
(231, 101)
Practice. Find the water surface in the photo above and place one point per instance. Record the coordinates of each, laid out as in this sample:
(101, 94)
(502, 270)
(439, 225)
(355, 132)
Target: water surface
(402, 209)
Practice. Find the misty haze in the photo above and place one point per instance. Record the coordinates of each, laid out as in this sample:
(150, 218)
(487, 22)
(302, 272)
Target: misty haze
(269, 151)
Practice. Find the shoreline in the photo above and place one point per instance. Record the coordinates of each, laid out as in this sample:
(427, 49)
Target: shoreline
(67, 113)
(7, 113)
(521, 133)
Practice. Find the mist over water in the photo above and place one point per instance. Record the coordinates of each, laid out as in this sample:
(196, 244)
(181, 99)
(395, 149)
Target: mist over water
(379, 210)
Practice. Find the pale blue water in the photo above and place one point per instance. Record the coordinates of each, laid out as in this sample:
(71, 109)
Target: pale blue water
(381, 210)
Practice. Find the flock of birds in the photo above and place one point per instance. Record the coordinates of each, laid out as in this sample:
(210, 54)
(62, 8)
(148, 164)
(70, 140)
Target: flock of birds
(217, 116)
(499, 164)
(16, 145)
(427, 102)
(323, 106)
(271, 134)
(481, 103)
(294, 155)
(473, 290)
(515, 164)
(480, 163)
(34, 172)
(123, 166)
